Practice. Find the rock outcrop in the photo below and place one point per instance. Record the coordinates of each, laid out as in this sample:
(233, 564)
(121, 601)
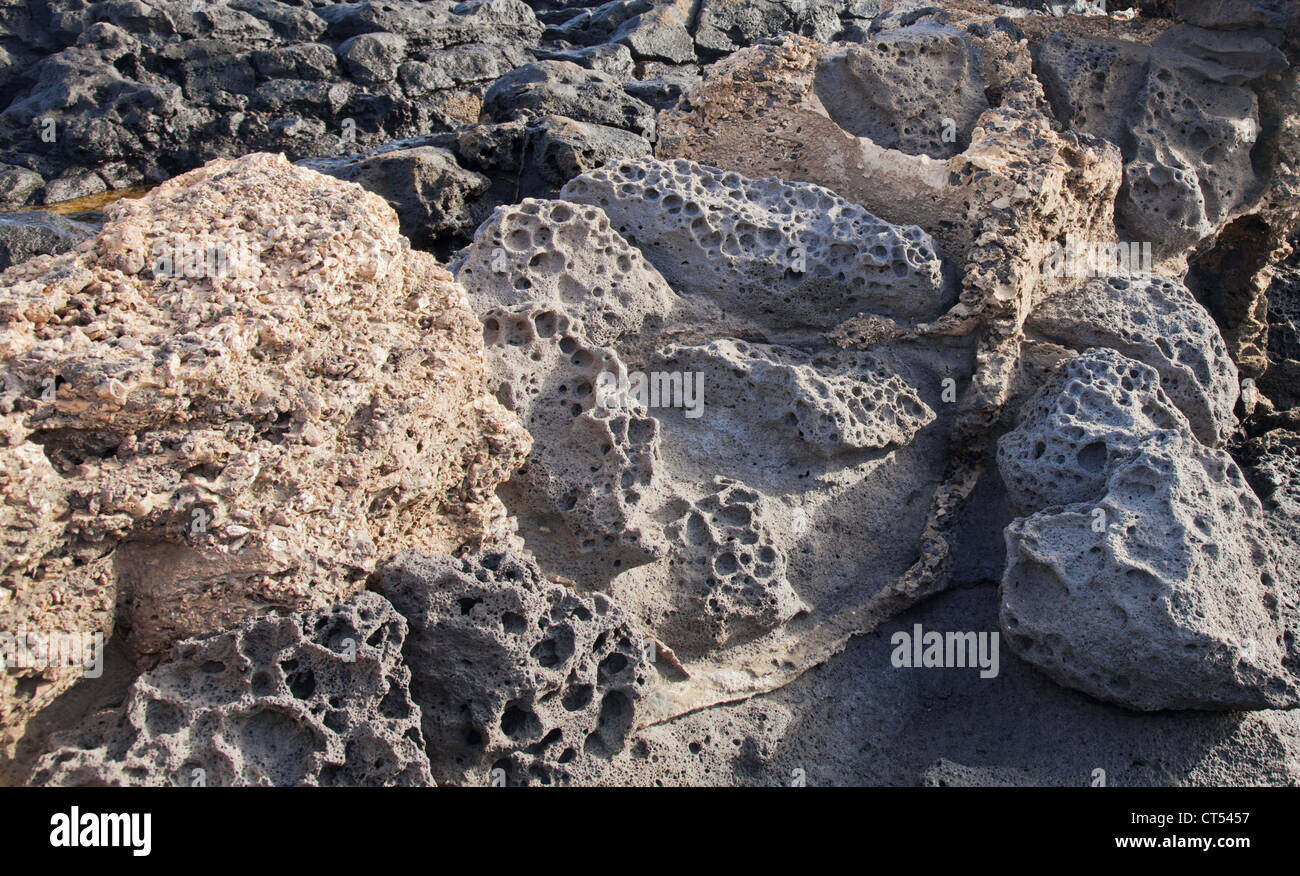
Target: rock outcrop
(514, 672)
(771, 331)
(211, 410)
(320, 698)
(1146, 576)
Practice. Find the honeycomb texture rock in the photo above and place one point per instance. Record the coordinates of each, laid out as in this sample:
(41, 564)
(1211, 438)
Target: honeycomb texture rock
(568, 258)
(781, 254)
(318, 698)
(833, 404)
(1156, 587)
(732, 570)
(917, 89)
(1096, 413)
(1183, 113)
(1156, 321)
(512, 671)
(586, 483)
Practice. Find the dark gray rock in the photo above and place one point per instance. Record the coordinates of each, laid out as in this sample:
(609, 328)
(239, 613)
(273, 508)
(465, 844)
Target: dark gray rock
(596, 26)
(161, 87)
(614, 59)
(564, 89)
(311, 61)
(72, 185)
(430, 191)
(36, 232)
(318, 698)
(293, 24)
(513, 671)
(662, 33)
(18, 186)
(373, 58)
(727, 25)
(534, 159)
(661, 92)
(1239, 13)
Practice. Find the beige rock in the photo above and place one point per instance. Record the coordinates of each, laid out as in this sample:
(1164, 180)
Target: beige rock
(239, 396)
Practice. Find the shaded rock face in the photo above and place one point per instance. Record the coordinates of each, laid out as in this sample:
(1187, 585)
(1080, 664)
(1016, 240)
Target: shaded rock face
(513, 672)
(563, 88)
(432, 194)
(728, 25)
(208, 411)
(1188, 146)
(320, 698)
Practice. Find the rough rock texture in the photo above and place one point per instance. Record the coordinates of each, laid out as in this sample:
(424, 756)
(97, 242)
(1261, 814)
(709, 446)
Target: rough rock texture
(1148, 579)
(534, 158)
(1156, 321)
(209, 411)
(569, 259)
(837, 404)
(918, 89)
(1282, 298)
(727, 25)
(731, 568)
(778, 253)
(1099, 410)
(563, 88)
(763, 435)
(432, 194)
(142, 90)
(319, 698)
(1184, 114)
(28, 234)
(511, 671)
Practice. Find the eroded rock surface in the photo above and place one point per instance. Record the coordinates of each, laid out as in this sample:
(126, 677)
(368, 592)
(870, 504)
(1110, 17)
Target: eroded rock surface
(1156, 321)
(208, 411)
(775, 252)
(1146, 576)
(512, 671)
(765, 375)
(319, 698)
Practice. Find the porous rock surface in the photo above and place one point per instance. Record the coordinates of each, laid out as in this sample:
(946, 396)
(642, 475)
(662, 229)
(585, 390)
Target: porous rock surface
(1146, 576)
(1182, 109)
(318, 698)
(833, 473)
(512, 671)
(1157, 321)
(776, 252)
(190, 440)
(658, 270)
